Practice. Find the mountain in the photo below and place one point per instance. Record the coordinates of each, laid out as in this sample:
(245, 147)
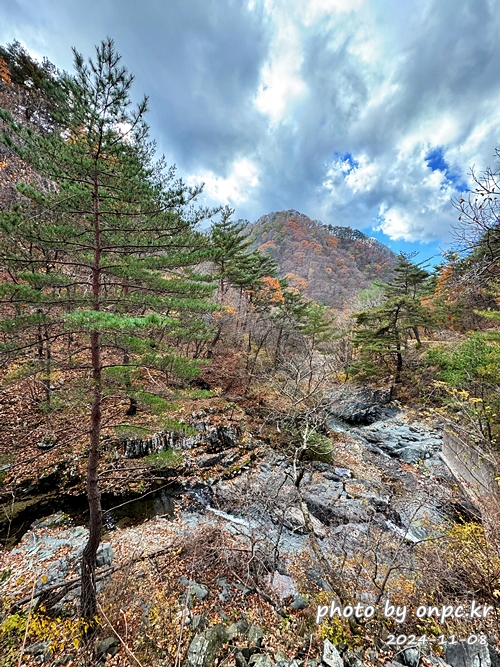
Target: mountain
(326, 263)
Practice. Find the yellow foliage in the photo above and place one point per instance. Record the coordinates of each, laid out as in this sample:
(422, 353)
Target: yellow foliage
(58, 633)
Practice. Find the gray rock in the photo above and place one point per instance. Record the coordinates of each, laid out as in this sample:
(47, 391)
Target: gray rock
(200, 591)
(204, 647)
(40, 648)
(209, 461)
(216, 439)
(255, 636)
(463, 655)
(282, 584)
(199, 623)
(238, 628)
(299, 602)
(343, 472)
(421, 516)
(410, 443)
(352, 660)
(107, 647)
(436, 661)
(331, 656)
(260, 660)
(359, 405)
(104, 554)
(494, 656)
(240, 659)
(52, 521)
(185, 582)
(410, 657)
(294, 521)
(321, 495)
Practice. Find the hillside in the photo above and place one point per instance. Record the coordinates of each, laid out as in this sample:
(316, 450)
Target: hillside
(326, 263)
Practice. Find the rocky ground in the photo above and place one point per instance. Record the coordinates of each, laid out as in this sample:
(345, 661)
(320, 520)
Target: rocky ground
(240, 515)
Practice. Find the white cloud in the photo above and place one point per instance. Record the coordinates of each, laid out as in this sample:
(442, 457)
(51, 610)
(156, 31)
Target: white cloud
(281, 82)
(315, 10)
(265, 93)
(364, 177)
(235, 189)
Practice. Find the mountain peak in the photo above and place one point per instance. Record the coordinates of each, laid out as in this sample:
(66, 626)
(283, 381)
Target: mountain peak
(327, 263)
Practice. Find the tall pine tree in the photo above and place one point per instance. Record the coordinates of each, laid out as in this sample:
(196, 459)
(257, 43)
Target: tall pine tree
(104, 252)
(381, 333)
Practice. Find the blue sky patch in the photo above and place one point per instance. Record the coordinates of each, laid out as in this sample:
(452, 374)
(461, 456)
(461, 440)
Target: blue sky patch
(348, 162)
(435, 160)
(430, 252)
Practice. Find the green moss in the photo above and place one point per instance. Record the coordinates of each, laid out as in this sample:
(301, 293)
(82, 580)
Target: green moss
(170, 458)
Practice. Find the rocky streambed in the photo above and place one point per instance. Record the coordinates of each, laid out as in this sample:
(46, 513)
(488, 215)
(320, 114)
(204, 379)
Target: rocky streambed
(387, 475)
(387, 486)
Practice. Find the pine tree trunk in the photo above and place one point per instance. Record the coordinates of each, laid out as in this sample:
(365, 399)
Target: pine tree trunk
(88, 602)
(417, 336)
(399, 365)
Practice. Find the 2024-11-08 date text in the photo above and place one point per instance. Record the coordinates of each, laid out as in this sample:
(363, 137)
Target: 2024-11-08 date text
(409, 640)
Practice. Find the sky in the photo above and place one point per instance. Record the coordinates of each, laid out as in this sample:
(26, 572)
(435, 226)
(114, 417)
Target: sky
(367, 113)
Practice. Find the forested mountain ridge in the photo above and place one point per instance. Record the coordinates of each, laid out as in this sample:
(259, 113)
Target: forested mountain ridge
(327, 263)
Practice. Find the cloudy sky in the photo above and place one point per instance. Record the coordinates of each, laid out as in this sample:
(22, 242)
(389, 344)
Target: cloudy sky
(368, 113)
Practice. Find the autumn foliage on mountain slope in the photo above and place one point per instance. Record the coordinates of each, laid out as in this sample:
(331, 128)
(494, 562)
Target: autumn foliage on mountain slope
(326, 263)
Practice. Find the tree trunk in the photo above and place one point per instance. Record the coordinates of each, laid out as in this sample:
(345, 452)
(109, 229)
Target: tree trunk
(214, 341)
(88, 601)
(399, 365)
(417, 336)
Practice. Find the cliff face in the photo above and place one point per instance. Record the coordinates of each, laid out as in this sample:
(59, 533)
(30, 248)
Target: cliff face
(326, 263)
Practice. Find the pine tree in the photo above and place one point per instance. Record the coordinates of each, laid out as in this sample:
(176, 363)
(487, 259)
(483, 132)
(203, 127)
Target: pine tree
(381, 334)
(102, 252)
(236, 265)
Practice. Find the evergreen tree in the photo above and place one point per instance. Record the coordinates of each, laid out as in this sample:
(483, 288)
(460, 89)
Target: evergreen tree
(102, 253)
(236, 265)
(317, 325)
(381, 334)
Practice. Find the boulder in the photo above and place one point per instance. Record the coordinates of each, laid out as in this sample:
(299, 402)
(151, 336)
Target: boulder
(410, 657)
(260, 660)
(106, 647)
(331, 656)
(294, 521)
(398, 438)
(360, 405)
(42, 547)
(255, 636)
(353, 659)
(205, 646)
(238, 628)
(463, 655)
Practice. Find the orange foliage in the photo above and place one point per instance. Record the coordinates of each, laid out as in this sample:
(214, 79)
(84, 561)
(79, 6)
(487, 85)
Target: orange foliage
(296, 282)
(332, 242)
(4, 71)
(267, 244)
(444, 279)
(271, 291)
